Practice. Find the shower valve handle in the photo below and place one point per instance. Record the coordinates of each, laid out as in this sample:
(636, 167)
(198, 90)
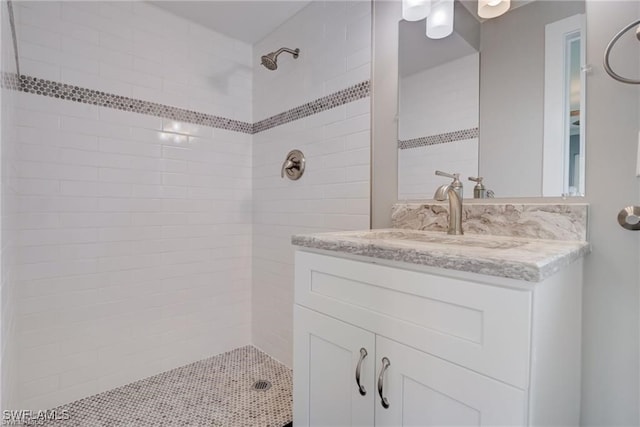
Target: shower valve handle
(293, 165)
(288, 166)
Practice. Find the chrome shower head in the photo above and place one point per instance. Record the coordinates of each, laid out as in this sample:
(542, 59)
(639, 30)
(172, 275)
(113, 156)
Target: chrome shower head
(270, 60)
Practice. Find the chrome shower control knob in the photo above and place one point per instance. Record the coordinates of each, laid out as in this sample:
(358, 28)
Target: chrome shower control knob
(293, 166)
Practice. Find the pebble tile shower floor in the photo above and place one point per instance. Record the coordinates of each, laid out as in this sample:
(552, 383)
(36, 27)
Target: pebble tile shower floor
(212, 392)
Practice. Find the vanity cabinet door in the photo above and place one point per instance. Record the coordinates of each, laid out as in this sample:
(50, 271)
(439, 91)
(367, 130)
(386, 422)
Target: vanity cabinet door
(327, 353)
(422, 390)
(460, 320)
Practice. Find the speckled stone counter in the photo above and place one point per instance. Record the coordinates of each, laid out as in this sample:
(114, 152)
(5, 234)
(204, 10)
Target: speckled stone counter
(531, 220)
(519, 258)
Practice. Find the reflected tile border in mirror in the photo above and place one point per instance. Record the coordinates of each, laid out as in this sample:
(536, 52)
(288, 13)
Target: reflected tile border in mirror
(442, 138)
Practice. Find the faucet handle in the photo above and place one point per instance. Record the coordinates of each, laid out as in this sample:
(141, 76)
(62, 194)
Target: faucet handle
(476, 179)
(448, 175)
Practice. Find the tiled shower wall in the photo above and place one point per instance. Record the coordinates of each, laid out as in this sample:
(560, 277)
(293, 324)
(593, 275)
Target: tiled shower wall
(134, 250)
(7, 240)
(334, 38)
(137, 233)
(137, 50)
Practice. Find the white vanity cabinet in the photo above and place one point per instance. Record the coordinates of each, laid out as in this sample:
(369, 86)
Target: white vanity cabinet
(462, 348)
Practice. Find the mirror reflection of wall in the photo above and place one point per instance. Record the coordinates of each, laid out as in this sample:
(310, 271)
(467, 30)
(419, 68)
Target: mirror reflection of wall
(439, 95)
(502, 98)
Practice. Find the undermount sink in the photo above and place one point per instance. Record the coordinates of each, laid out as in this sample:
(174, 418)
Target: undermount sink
(414, 236)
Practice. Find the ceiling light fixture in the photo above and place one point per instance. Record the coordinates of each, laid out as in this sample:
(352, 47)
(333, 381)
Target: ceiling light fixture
(492, 8)
(415, 10)
(440, 21)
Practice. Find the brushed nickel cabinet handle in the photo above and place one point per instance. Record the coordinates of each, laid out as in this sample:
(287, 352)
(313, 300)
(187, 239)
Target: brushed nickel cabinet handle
(383, 400)
(361, 389)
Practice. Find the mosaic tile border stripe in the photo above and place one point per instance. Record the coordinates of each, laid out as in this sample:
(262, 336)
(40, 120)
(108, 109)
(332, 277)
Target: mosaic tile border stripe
(74, 93)
(443, 138)
(89, 96)
(350, 94)
(9, 81)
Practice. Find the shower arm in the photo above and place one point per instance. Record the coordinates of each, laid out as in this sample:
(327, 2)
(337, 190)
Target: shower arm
(286, 49)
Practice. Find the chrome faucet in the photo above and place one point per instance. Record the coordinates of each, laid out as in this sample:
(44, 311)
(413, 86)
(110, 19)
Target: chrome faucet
(453, 192)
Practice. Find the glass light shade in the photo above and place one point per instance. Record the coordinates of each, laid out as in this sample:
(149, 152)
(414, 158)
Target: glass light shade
(415, 10)
(492, 8)
(440, 21)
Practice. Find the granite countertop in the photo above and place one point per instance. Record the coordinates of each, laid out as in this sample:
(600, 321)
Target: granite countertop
(528, 259)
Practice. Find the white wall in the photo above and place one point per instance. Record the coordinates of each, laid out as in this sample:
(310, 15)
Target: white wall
(438, 100)
(512, 105)
(134, 251)
(334, 39)
(7, 218)
(611, 309)
(384, 111)
(441, 99)
(611, 298)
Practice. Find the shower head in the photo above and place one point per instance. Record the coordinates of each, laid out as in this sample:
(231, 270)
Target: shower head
(270, 60)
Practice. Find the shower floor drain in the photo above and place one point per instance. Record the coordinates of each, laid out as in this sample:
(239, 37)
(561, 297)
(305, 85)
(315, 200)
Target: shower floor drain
(262, 385)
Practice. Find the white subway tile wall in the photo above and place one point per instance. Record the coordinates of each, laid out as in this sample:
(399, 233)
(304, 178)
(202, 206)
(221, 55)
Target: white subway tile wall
(134, 232)
(335, 42)
(133, 49)
(141, 241)
(8, 366)
(436, 101)
(334, 38)
(134, 247)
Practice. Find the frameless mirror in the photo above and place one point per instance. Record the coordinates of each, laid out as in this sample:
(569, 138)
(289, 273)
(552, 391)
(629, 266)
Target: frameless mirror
(499, 98)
